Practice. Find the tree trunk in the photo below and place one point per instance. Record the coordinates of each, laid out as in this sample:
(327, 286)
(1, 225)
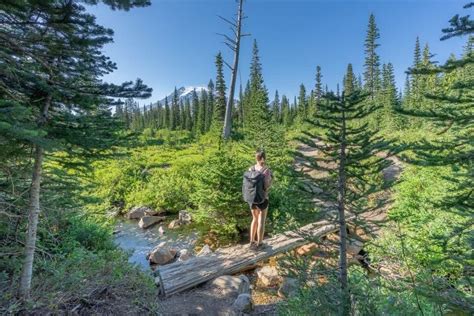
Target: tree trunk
(34, 210)
(345, 299)
(230, 103)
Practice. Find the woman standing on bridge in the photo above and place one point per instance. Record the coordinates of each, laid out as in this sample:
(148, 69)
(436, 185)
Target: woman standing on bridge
(259, 203)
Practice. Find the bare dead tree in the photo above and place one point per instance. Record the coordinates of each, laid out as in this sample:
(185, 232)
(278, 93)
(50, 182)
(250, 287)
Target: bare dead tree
(234, 45)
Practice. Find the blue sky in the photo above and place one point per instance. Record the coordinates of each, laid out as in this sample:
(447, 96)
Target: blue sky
(173, 42)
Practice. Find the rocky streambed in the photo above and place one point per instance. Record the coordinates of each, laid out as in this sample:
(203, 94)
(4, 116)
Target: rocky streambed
(138, 241)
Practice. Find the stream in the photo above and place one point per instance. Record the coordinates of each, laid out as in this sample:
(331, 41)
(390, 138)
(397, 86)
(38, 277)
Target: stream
(138, 242)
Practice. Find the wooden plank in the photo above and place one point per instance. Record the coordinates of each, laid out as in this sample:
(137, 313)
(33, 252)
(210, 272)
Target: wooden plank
(180, 276)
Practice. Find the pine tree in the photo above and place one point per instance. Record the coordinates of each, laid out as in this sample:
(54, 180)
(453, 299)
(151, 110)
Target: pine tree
(52, 63)
(188, 119)
(210, 105)
(182, 115)
(372, 60)
(318, 88)
(200, 128)
(276, 108)
(285, 111)
(195, 112)
(240, 107)
(175, 113)
(415, 86)
(220, 102)
(167, 117)
(302, 104)
(406, 89)
(258, 129)
(344, 139)
(349, 81)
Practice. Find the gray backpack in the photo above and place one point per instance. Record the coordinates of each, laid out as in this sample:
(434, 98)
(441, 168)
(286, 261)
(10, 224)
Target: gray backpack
(253, 186)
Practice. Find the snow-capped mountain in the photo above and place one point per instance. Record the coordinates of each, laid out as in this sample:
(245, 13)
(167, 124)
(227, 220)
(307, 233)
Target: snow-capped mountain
(184, 93)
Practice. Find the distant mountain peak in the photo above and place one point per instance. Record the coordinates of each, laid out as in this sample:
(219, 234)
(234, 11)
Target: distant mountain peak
(184, 93)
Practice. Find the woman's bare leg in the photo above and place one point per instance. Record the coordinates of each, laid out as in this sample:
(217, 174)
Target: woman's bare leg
(254, 225)
(261, 225)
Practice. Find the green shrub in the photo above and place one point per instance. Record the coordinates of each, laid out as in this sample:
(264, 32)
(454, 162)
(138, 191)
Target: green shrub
(217, 192)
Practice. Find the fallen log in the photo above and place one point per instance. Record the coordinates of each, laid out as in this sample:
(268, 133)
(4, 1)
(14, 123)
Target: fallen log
(180, 276)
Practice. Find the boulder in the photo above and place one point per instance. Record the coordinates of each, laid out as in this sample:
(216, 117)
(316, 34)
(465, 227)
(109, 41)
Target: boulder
(228, 284)
(183, 255)
(152, 212)
(147, 221)
(137, 212)
(175, 223)
(268, 276)
(288, 287)
(184, 217)
(204, 251)
(243, 304)
(161, 254)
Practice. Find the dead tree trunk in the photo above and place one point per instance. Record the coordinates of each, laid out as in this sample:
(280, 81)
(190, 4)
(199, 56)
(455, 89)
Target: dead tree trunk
(234, 45)
(34, 210)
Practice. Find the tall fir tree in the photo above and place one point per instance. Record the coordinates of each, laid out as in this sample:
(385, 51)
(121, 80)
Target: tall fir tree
(220, 101)
(302, 104)
(285, 111)
(342, 136)
(167, 115)
(258, 126)
(372, 59)
(210, 105)
(349, 80)
(188, 119)
(195, 112)
(276, 108)
(200, 128)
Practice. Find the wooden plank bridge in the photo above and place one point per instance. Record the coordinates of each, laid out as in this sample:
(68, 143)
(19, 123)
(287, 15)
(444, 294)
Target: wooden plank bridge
(179, 276)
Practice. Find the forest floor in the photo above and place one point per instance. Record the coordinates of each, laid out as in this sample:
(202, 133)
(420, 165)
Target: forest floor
(209, 300)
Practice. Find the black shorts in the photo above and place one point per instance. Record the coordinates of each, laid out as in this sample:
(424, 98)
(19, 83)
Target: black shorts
(262, 206)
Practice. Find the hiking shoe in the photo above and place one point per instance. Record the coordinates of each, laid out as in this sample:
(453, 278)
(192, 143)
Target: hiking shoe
(253, 246)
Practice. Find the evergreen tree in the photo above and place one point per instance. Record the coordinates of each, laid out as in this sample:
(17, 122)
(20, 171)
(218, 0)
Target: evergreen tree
(343, 137)
(407, 89)
(202, 114)
(188, 119)
(349, 81)
(220, 102)
(240, 107)
(258, 129)
(302, 104)
(276, 108)
(372, 59)
(182, 115)
(52, 64)
(318, 88)
(196, 126)
(285, 111)
(210, 105)
(167, 117)
(246, 105)
(174, 112)
(415, 87)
